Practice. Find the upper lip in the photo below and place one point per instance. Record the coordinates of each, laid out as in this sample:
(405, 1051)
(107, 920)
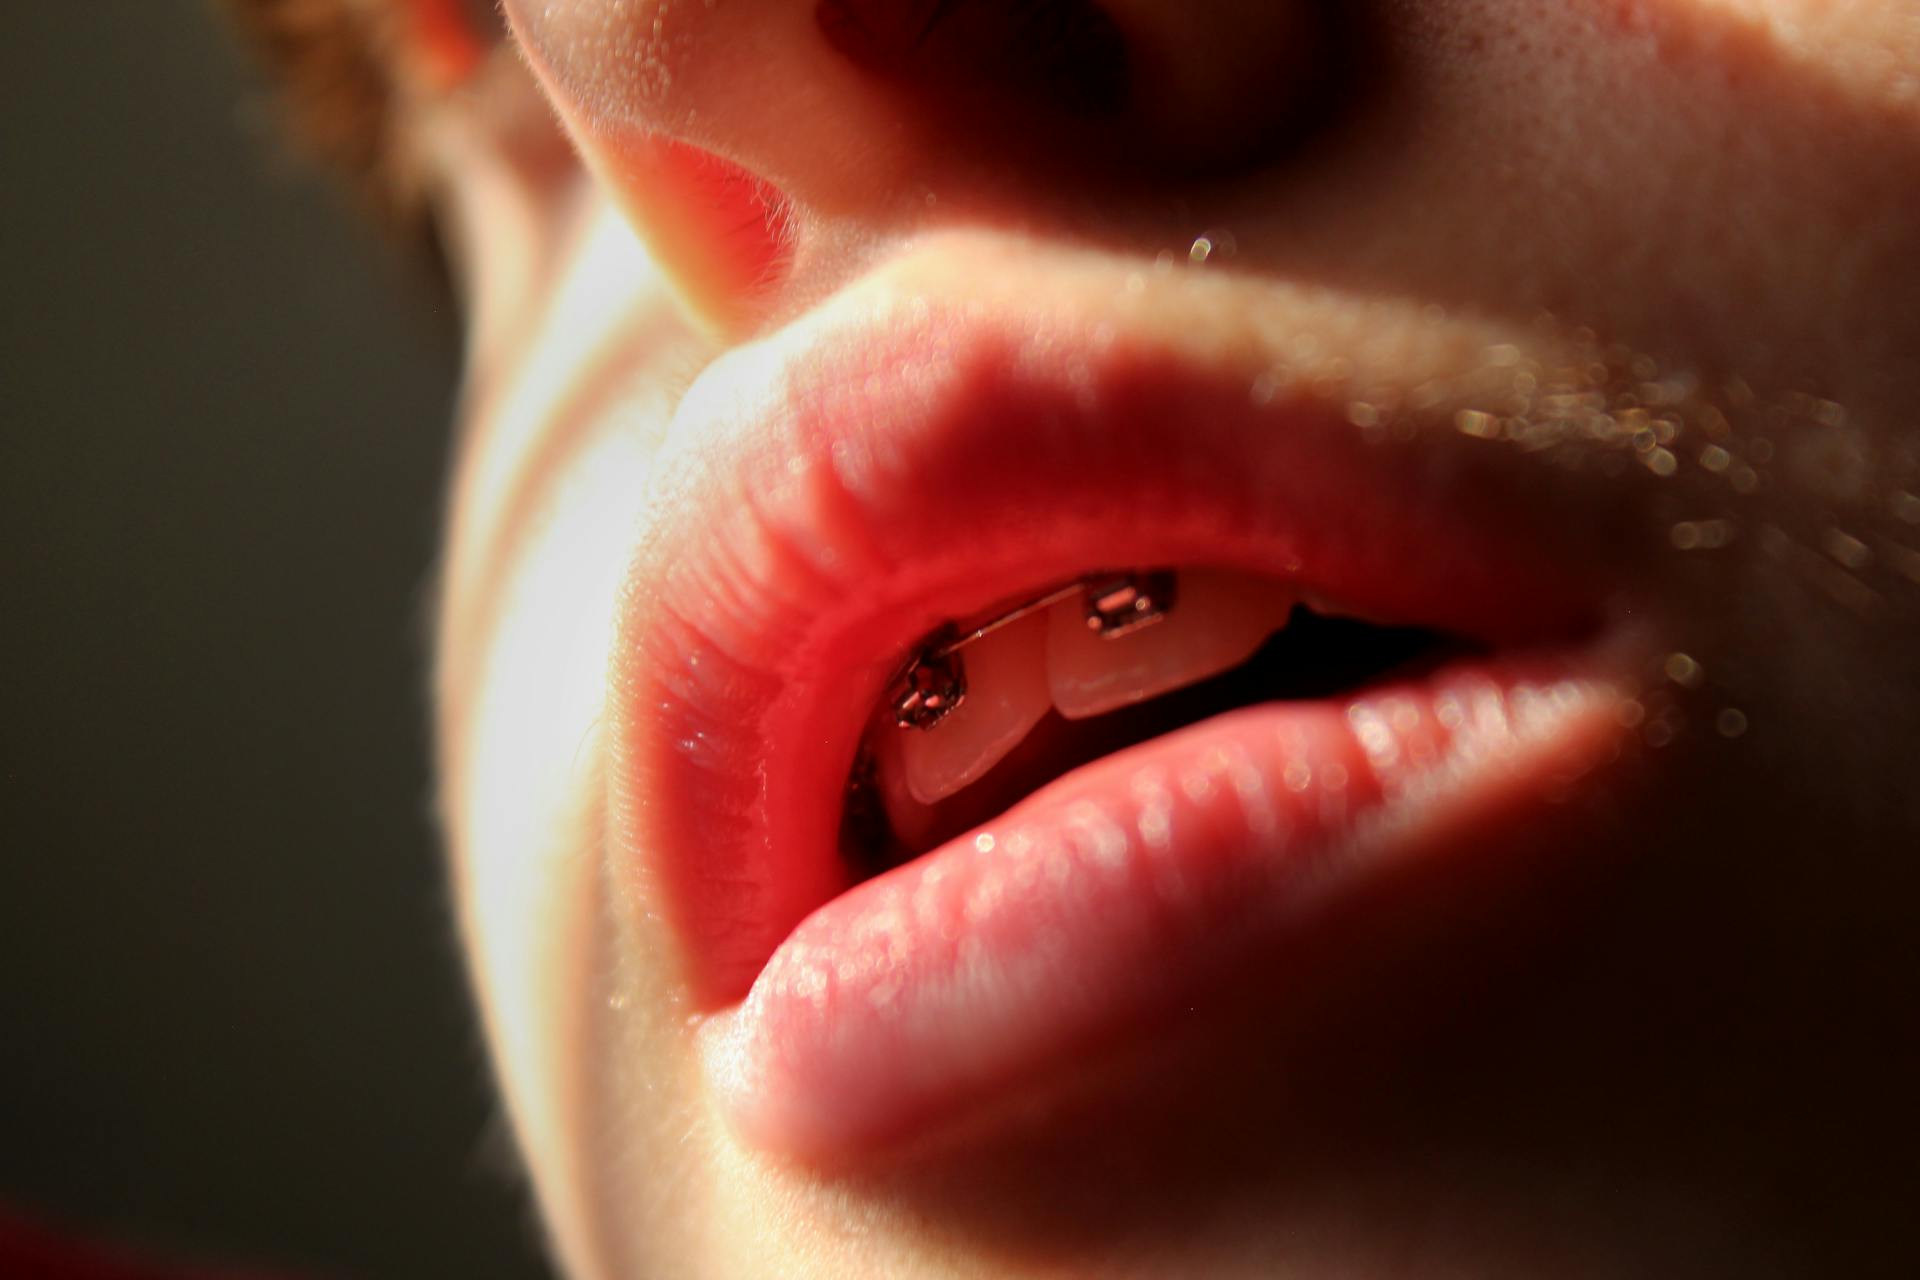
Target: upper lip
(905, 460)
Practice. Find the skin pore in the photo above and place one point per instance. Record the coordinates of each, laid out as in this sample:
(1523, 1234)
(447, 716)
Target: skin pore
(1655, 263)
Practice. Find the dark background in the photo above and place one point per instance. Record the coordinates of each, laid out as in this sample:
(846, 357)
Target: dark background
(232, 1020)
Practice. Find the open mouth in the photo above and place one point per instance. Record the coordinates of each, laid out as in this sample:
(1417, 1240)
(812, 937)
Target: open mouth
(1008, 683)
(987, 713)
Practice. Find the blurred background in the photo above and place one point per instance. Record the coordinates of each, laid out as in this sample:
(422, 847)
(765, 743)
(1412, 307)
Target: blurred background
(232, 1022)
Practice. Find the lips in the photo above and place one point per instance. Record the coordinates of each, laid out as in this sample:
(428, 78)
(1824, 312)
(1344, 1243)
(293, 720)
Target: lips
(895, 463)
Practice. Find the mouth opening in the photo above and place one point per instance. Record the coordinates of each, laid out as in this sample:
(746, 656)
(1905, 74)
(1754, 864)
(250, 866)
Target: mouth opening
(1048, 690)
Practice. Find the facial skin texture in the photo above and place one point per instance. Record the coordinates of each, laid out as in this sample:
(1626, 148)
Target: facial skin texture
(1692, 1053)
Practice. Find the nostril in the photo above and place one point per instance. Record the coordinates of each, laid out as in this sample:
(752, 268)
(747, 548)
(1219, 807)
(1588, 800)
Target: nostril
(1067, 55)
(1114, 89)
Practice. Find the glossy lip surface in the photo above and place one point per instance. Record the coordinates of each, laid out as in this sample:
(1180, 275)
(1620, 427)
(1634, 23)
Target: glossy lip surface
(858, 486)
(1097, 901)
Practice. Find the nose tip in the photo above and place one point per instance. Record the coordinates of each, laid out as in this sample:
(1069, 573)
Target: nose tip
(871, 118)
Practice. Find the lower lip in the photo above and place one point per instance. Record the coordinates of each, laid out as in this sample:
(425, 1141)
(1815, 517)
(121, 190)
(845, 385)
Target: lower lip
(913, 998)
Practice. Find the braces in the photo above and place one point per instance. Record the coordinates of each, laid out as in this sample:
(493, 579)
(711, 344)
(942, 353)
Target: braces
(934, 681)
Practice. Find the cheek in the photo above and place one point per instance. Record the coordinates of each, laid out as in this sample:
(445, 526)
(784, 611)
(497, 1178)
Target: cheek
(551, 483)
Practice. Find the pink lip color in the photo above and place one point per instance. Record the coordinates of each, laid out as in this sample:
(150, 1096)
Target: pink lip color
(896, 474)
(1101, 897)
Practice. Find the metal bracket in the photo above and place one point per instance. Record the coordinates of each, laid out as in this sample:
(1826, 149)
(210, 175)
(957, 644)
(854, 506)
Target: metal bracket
(934, 681)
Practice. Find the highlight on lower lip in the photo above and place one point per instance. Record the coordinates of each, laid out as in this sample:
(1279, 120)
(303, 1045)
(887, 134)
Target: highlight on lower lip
(913, 997)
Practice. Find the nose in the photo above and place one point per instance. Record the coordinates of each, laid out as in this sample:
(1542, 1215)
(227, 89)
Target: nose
(756, 142)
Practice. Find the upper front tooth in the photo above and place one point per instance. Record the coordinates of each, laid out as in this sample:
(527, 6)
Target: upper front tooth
(1006, 696)
(1219, 620)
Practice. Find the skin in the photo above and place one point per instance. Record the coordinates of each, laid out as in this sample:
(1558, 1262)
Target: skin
(1686, 1052)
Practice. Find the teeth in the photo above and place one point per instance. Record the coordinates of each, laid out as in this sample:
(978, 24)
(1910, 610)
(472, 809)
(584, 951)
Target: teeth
(1053, 660)
(1006, 696)
(1219, 619)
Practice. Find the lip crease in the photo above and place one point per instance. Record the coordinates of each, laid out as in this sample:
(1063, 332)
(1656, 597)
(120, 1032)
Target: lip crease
(850, 495)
